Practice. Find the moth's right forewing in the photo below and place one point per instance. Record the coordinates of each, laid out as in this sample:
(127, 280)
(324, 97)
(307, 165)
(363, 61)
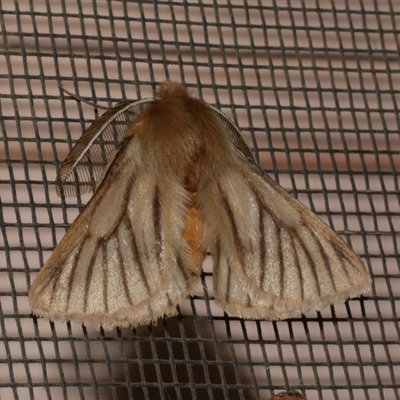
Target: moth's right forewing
(273, 258)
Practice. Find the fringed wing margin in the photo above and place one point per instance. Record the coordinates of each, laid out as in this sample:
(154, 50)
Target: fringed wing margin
(124, 260)
(273, 258)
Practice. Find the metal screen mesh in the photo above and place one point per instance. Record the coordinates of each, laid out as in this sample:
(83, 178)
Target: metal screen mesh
(315, 88)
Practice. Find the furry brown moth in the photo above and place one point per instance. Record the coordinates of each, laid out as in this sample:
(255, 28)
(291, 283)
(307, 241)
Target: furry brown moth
(181, 182)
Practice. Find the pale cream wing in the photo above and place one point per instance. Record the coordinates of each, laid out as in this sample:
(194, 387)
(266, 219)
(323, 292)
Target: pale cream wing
(124, 260)
(273, 258)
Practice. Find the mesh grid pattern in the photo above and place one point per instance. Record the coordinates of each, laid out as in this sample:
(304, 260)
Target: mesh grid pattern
(315, 88)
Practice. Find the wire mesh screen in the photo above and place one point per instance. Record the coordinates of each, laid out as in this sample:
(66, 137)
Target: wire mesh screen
(313, 85)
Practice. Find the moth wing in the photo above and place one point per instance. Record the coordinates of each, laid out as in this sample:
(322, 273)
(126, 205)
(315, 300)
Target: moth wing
(273, 258)
(124, 260)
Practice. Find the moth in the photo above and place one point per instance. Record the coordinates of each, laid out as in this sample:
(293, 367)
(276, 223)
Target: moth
(182, 181)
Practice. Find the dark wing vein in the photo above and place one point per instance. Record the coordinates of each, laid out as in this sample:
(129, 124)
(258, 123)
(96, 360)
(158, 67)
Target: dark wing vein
(71, 280)
(158, 245)
(296, 260)
(123, 272)
(105, 277)
(261, 242)
(136, 253)
(90, 274)
(325, 257)
(231, 218)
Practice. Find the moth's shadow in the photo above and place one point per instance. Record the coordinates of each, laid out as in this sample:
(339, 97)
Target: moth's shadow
(179, 358)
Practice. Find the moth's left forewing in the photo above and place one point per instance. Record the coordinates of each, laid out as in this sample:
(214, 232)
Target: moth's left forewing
(273, 258)
(131, 255)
